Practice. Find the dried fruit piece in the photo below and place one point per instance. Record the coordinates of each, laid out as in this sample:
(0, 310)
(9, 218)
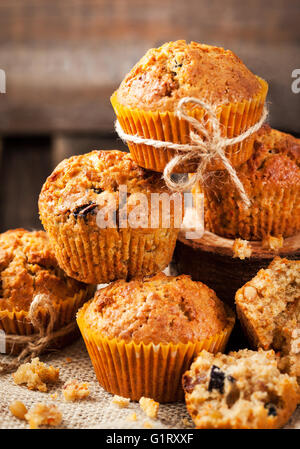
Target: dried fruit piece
(84, 210)
(272, 411)
(217, 378)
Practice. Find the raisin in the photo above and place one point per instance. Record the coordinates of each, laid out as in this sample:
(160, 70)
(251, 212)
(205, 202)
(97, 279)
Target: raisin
(231, 379)
(84, 210)
(189, 383)
(97, 190)
(271, 409)
(217, 378)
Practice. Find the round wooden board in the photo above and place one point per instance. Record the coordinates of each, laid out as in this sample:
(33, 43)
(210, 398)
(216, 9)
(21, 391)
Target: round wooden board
(210, 260)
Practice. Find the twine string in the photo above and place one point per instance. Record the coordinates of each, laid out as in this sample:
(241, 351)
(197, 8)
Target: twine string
(206, 144)
(35, 344)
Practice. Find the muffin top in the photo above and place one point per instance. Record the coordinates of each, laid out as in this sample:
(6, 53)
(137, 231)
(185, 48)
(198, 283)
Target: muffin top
(81, 184)
(177, 69)
(28, 267)
(276, 158)
(158, 309)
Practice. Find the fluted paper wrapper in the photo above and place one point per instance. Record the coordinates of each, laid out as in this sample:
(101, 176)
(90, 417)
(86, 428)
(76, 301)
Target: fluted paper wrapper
(235, 118)
(14, 322)
(135, 370)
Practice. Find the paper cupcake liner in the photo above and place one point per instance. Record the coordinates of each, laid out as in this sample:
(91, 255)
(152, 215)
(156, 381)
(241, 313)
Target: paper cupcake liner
(235, 118)
(135, 370)
(101, 256)
(17, 322)
(275, 211)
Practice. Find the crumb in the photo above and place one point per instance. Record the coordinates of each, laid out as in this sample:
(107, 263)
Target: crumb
(147, 425)
(120, 401)
(68, 360)
(73, 390)
(132, 417)
(42, 414)
(18, 409)
(149, 406)
(272, 243)
(241, 249)
(36, 375)
(53, 396)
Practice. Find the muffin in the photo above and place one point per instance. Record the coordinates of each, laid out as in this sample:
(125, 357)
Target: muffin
(147, 99)
(143, 334)
(29, 268)
(241, 390)
(268, 307)
(271, 178)
(98, 209)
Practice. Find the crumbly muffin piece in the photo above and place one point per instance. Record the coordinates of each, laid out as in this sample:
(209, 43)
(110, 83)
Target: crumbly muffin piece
(28, 267)
(241, 249)
(271, 178)
(120, 401)
(73, 390)
(82, 194)
(179, 69)
(241, 390)
(18, 409)
(43, 415)
(36, 375)
(158, 309)
(149, 406)
(268, 307)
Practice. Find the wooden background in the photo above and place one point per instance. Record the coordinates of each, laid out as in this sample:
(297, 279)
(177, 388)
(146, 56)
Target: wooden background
(64, 58)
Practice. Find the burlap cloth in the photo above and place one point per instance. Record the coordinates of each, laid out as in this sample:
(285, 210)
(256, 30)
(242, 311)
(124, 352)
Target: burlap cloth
(97, 411)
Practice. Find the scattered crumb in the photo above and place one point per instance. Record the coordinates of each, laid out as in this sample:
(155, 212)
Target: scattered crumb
(73, 390)
(36, 375)
(68, 360)
(132, 417)
(53, 396)
(241, 249)
(272, 243)
(18, 409)
(120, 401)
(149, 406)
(147, 425)
(43, 415)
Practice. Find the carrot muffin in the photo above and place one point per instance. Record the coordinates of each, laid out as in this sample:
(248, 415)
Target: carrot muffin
(142, 335)
(268, 307)
(98, 211)
(147, 99)
(241, 390)
(29, 268)
(271, 178)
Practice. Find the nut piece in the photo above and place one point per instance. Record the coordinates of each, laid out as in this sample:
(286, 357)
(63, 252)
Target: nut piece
(250, 292)
(35, 375)
(120, 401)
(43, 415)
(18, 409)
(149, 406)
(241, 249)
(73, 390)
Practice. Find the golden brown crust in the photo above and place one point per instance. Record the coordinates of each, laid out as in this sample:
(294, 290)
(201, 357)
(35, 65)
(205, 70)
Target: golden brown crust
(159, 309)
(177, 69)
(241, 390)
(28, 267)
(271, 178)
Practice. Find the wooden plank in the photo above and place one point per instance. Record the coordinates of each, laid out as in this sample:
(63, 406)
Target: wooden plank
(64, 59)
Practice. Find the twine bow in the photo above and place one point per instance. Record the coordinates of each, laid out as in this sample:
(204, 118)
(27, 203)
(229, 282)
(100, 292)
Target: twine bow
(35, 344)
(206, 144)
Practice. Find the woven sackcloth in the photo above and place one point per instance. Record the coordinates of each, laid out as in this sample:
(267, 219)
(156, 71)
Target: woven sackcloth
(97, 411)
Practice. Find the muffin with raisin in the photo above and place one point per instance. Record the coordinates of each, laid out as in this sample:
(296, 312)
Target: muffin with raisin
(271, 178)
(109, 219)
(241, 390)
(147, 100)
(143, 334)
(28, 268)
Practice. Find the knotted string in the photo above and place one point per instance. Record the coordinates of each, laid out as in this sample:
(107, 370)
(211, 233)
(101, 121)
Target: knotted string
(35, 344)
(205, 145)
